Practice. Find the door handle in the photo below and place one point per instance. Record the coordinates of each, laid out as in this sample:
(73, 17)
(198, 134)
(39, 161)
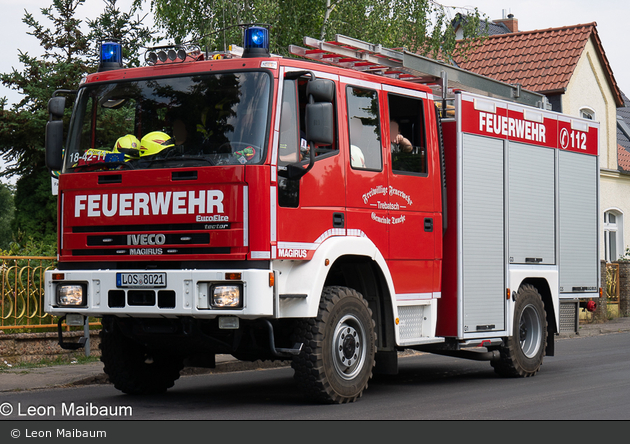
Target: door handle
(428, 224)
(338, 220)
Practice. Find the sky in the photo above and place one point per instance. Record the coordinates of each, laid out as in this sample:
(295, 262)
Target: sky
(610, 16)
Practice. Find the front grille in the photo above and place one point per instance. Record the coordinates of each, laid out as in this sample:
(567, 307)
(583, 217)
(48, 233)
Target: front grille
(163, 299)
(145, 251)
(135, 240)
(141, 297)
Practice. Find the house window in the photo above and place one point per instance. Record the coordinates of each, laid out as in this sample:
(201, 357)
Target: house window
(587, 113)
(613, 235)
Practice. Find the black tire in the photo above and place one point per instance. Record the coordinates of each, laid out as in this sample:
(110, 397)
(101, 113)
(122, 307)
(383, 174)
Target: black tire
(135, 370)
(522, 353)
(337, 358)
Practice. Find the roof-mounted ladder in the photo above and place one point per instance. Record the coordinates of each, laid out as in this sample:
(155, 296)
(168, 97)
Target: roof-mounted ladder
(347, 52)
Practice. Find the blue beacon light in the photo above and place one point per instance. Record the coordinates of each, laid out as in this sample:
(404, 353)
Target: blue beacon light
(110, 56)
(256, 42)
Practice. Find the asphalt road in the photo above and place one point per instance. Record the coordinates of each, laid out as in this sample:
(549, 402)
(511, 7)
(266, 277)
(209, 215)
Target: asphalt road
(588, 379)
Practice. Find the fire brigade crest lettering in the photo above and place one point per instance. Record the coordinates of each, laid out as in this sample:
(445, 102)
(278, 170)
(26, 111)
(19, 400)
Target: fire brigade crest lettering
(390, 191)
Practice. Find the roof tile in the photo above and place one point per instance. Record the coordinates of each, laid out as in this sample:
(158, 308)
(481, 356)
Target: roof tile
(623, 158)
(540, 60)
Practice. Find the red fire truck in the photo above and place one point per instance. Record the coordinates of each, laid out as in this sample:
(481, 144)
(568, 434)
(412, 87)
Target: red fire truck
(331, 212)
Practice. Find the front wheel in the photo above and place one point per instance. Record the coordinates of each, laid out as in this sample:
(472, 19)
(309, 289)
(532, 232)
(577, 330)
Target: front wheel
(337, 358)
(134, 369)
(523, 352)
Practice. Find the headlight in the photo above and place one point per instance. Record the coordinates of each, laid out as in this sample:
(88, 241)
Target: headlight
(227, 296)
(71, 294)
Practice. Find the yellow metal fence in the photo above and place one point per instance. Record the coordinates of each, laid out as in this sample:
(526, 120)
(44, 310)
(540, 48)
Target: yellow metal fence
(612, 282)
(22, 291)
(22, 287)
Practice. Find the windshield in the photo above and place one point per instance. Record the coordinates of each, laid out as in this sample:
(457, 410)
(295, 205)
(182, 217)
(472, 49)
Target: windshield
(206, 119)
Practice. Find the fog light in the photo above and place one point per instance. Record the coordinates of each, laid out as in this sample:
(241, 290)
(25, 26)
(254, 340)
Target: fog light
(71, 294)
(228, 322)
(226, 296)
(75, 319)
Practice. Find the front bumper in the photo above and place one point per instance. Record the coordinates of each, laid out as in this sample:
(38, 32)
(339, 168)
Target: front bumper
(186, 293)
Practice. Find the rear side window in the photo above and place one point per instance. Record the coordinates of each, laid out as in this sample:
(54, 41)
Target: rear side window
(407, 135)
(364, 129)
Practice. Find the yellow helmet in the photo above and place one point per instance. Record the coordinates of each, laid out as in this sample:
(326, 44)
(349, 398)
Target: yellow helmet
(155, 142)
(129, 145)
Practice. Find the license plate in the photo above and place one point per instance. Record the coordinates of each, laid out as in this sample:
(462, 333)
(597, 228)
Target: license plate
(146, 280)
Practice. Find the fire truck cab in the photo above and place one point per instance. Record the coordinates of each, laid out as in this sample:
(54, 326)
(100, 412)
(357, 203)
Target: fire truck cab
(283, 209)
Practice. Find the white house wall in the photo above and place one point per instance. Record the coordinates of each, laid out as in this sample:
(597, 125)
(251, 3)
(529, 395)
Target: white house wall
(589, 89)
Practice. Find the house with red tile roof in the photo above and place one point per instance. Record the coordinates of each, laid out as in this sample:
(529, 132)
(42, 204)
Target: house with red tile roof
(569, 66)
(623, 136)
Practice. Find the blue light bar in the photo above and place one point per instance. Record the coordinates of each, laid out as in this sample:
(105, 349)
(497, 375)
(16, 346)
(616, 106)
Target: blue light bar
(110, 56)
(256, 42)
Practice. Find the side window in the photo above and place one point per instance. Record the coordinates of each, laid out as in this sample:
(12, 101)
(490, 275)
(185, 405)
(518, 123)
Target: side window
(407, 135)
(364, 129)
(289, 143)
(292, 144)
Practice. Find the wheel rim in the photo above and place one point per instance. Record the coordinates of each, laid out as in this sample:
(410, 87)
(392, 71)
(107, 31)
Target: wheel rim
(530, 331)
(349, 347)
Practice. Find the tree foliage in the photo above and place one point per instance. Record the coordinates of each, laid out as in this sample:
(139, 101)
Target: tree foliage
(418, 25)
(69, 53)
(7, 210)
(123, 27)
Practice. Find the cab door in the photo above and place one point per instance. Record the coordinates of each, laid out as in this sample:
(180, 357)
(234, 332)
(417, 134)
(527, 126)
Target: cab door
(366, 182)
(309, 208)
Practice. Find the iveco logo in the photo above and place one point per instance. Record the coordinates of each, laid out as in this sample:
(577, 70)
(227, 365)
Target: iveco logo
(146, 239)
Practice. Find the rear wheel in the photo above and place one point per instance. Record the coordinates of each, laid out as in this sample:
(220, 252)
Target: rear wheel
(134, 369)
(337, 357)
(522, 353)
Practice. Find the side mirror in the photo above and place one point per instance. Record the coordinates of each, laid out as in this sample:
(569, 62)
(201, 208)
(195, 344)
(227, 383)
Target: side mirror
(322, 90)
(54, 133)
(319, 123)
(54, 145)
(56, 107)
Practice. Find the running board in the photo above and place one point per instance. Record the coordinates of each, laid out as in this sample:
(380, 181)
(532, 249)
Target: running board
(493, 355)
(281, 352)
(69, 345)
